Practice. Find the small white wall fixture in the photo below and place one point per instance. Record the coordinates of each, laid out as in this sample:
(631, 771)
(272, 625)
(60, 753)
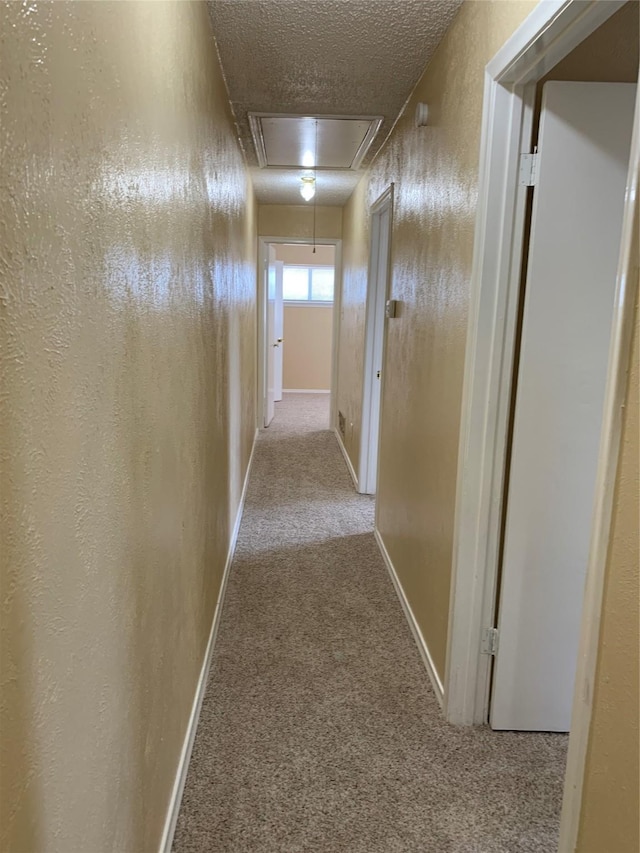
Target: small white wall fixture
(553, 30)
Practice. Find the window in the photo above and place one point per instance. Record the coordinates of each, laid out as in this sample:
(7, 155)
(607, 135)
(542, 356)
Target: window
(307, 284)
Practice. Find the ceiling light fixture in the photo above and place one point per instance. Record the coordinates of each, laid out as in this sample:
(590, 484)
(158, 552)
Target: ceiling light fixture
(308, 188)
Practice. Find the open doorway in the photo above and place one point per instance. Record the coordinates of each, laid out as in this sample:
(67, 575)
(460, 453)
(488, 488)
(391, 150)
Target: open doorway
(506, 350)
(549, 308)
(373, 378)
(297, 316)
(578, 190)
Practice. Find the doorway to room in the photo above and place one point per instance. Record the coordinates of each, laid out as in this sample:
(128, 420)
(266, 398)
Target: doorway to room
(549, 311)
(298, 295)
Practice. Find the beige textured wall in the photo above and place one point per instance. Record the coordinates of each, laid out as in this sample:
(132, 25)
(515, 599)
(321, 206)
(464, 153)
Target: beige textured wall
(302, 253)
(127, 264)
(435, 170)
(296, 221)
(355, 262)
(307, 347)
(608, 55)
(610, 816)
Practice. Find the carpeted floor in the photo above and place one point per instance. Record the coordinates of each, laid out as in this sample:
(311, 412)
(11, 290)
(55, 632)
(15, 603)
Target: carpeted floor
(320, 731)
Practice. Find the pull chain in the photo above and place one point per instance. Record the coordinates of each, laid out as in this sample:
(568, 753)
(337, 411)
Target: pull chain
(315, 183)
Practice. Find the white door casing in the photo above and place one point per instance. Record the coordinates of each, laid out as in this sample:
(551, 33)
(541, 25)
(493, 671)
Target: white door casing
(270, 339)
(278, 330)
(377, 292)
(584, 144)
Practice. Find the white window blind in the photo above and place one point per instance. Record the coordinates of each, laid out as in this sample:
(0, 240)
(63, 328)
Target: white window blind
(307, 283)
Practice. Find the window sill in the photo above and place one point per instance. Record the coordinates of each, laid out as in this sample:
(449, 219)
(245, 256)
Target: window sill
(306, 303)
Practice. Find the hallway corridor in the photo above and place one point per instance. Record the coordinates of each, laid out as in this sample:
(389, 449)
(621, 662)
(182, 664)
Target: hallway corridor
(319, 729)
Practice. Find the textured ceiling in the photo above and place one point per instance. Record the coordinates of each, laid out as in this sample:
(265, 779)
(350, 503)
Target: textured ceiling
(323, 57)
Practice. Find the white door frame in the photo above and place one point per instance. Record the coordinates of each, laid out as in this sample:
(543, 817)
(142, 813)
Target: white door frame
(278, 323)
(552, 30)
(261, 302)
(371, 420)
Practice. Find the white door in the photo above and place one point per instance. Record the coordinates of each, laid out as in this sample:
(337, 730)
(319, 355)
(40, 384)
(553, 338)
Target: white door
(278, 330)
(584, 145)
(270, 339)
(374, 346)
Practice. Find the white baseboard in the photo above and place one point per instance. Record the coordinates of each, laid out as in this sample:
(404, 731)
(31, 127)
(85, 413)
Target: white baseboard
(427, 660)
(350, 467)
(306, 390)
(183, 764)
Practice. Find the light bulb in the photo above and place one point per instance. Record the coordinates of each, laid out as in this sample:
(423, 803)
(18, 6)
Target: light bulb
(308, 189)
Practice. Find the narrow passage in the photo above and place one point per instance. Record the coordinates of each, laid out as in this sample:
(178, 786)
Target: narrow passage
(319, 730)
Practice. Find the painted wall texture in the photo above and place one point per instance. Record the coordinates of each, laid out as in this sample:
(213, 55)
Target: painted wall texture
(435, 170)
(296, 221)
(303, 253)
(609, 818)
(127, 265)
(307, 347)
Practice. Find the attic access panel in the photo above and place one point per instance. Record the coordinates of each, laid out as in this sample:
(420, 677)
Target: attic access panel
(290, 141)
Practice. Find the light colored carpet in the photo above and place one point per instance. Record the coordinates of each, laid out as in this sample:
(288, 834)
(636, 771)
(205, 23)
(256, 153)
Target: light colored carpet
(320, 731)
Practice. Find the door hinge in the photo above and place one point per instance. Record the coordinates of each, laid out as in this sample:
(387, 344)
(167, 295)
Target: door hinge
(490, 641)
(529, 169)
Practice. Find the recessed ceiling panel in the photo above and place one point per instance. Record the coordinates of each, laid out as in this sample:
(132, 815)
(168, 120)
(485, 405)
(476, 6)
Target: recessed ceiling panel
(304, 142)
